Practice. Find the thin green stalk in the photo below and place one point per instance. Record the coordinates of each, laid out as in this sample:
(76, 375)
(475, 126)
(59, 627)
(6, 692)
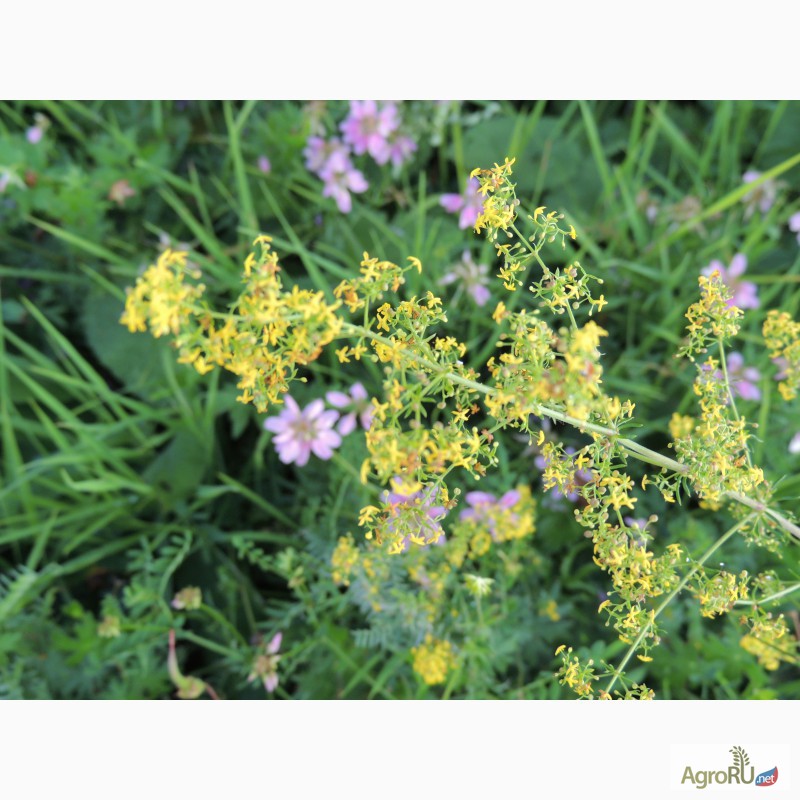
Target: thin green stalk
(724, 363)
(769, 598)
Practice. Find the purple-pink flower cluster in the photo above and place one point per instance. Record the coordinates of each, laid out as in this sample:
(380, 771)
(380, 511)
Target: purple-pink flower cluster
(369, 129)
(299, 433)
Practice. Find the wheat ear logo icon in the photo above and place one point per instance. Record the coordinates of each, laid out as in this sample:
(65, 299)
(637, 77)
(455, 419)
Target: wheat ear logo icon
(740, 757)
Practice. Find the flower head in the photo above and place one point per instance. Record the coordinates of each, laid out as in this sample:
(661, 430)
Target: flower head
(470, 204)
(341, 178)
(794, 225)
(303, 432)
(34, 134)
(762, 197)
(368, 127)
(433, 660)
(745, 293)
(264, 165)
(473, 277)
(317, 152)
(265, 667)
(360, 408)
(400, 148)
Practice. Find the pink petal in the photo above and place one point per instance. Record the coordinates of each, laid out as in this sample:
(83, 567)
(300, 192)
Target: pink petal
(451, 203)
(343, 200)
(480, 294)
(356, 182)
(314, 409)
(328, 439)
(358, 392)
(277, 424)
(275, 643)
(735, 361)
(292, 405)
(347, 424)
(305, 453)
(476, 499)
(327, 419)
(738, 265)
(338, 399)
(289, 451)
(468, 217)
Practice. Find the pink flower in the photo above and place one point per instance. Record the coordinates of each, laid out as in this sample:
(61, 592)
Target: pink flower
(470, 204)
(794, 225)
(745, 293)
(265, 667)
(317, 152)
(471, 276)
(762, 197)
(264, 165)
(367, 128)
(400, 148)
(341, 178)
(34, 134)
(743, 379)
(360, 405)
(300, 433)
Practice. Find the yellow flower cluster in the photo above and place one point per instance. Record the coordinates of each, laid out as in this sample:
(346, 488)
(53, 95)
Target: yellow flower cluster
(161, 298)
(376, 277)
(717, 593)
(711, 318)
(263, 340)
(782, 336)
(770, 641)
(715, 447)
(344, 560)
(433, 660)
(500, 206)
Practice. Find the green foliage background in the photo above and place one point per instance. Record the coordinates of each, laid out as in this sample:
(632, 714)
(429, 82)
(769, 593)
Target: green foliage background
(126, 476)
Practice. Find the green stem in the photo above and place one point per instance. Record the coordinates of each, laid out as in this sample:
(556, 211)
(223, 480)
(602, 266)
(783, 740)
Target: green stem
(724, 363)
(769, 598)
(672, 595)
